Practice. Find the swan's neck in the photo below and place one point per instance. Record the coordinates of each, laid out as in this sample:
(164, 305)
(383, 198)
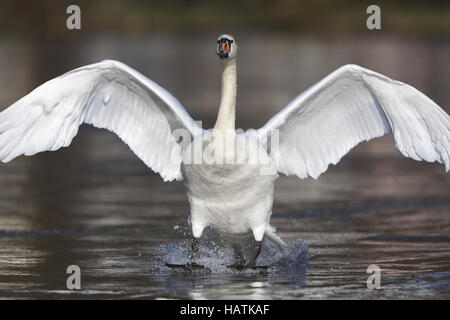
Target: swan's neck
(227, 111)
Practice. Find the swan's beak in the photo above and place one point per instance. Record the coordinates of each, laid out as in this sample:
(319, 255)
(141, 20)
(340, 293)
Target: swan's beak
(224, 47)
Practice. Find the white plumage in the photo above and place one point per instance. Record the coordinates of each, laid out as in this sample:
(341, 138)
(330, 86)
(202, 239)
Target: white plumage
(316, 129)
(351, 105)
(107, 95)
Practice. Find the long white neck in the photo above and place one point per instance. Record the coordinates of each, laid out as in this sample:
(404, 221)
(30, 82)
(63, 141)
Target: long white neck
(227, 111)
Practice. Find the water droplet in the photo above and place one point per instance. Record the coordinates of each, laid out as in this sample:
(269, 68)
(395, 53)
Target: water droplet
(106, 98)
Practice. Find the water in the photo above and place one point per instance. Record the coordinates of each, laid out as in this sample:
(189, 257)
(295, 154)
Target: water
(97, 206)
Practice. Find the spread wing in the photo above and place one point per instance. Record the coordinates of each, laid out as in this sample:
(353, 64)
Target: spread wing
(108, 95)
(349, 106)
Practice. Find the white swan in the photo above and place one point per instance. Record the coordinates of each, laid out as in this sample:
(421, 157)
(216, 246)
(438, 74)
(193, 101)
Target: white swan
(234, 192)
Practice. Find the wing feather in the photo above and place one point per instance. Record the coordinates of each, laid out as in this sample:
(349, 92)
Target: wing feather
(107, 95)
(351, 105)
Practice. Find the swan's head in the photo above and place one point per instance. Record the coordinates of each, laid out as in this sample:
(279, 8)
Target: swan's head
(226, 47)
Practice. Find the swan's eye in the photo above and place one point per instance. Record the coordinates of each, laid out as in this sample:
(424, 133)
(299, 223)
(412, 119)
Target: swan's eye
(224, 47)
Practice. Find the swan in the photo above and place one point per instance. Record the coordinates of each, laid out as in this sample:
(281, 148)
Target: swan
(229, 174)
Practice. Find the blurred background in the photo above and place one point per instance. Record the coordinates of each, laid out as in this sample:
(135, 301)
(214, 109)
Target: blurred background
(43, 18)
(96, 205)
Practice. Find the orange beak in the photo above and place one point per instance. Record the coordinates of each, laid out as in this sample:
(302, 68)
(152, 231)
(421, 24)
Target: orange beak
(223, 48)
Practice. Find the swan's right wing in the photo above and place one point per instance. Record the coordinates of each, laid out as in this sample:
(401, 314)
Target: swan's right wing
(108, 95)
(351, 105)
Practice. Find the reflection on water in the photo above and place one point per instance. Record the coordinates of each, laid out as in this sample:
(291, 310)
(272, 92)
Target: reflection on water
(97, 206)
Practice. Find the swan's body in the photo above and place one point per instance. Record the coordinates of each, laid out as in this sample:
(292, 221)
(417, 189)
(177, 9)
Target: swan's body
(234, 198)
(316, 129)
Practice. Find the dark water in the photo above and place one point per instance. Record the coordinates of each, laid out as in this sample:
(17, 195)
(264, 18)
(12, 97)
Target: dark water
(97, 206)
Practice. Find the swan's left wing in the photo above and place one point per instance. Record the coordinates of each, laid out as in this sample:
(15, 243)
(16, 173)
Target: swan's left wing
(349, 106)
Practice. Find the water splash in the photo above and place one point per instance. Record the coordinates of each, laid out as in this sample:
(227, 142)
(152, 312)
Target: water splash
(217, 252)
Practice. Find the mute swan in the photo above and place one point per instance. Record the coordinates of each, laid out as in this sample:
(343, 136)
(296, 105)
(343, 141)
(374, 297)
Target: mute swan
(350, 105)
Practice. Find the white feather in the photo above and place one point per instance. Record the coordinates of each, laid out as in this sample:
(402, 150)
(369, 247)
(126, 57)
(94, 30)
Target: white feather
(108, 95)
(351, 105)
